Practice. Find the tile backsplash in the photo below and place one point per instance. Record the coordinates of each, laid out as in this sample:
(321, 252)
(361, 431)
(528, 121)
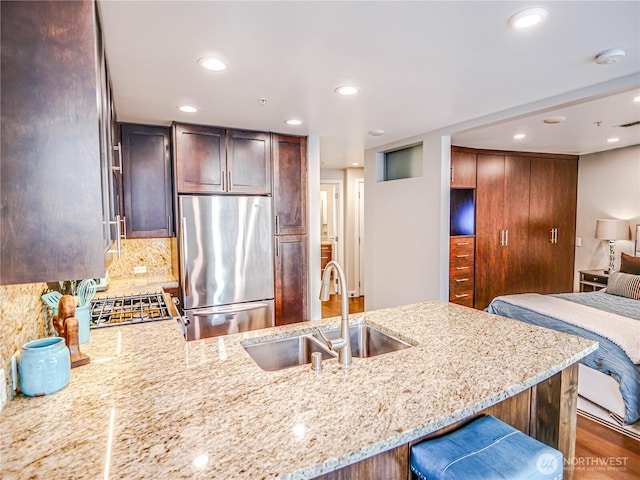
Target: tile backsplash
(153, 253)
(22, 319)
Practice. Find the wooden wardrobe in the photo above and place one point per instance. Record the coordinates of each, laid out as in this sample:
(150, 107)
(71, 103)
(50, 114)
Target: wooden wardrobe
(525, 208)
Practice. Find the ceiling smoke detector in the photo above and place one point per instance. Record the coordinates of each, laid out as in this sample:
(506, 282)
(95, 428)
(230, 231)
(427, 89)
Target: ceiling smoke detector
(612, 55)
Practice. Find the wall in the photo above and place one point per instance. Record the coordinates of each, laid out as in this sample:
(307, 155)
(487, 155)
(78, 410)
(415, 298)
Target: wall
(406, 228)
(608, 187)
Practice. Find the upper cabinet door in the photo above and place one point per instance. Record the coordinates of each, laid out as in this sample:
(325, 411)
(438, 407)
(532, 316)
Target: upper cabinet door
(248, 162)
(148, 200)
(463, 169)
(290, 184)
(51, 212)
(200, 159)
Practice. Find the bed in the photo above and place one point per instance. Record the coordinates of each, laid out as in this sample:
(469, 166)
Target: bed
(610, 376)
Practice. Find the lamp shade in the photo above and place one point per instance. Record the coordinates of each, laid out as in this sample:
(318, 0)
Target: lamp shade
(610, 229)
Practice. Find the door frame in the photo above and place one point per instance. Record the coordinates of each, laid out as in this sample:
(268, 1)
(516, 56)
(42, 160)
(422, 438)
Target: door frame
(359, 238)
(339, 189)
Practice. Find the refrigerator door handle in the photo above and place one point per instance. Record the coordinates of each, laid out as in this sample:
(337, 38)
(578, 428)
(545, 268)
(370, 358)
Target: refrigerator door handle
(229, 309)
(183, 252)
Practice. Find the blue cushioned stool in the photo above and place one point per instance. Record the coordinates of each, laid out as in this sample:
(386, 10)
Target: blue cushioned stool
(485, 449)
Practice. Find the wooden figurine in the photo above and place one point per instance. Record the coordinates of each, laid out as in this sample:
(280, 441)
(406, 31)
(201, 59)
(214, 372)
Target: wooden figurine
(66, 324)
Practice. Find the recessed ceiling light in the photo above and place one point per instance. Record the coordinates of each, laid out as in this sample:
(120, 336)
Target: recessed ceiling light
(293, 121)
(613, 140)
(554, 120)
(210, 63)
(188, 108)
(519, 136)
(346, 90)
(637, 99)
(528, 17)
(376, 133)
(610, 56)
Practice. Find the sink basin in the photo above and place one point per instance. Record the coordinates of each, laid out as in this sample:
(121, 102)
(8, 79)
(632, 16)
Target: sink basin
(274, 355)
(366, 341)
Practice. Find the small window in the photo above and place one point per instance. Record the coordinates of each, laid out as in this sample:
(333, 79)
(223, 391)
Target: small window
(404, 163)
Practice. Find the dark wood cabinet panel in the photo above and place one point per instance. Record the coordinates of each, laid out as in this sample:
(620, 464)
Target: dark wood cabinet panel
(200, 159)
(290, 184)
(148, 199)
(291, 279)
(502, 197)
(552, 224)
(249, 162)
(463, 169)
(51, 215)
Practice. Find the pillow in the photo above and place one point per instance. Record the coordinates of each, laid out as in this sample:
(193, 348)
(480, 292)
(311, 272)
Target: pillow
(629, 264)
(624, 285)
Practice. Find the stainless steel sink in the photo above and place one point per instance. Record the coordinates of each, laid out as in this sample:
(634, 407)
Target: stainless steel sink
(274, 355)
(366, 341)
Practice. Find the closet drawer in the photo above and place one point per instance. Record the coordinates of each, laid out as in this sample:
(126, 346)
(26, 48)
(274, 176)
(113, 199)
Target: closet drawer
(461, 293)
(461, 270)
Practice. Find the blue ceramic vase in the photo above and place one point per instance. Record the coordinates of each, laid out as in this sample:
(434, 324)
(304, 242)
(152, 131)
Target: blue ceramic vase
(45, 366)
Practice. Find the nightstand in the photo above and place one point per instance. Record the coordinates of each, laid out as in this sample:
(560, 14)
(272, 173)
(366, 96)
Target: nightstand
(592, 280)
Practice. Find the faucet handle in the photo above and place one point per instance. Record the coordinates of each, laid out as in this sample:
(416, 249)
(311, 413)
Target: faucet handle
(324, 337)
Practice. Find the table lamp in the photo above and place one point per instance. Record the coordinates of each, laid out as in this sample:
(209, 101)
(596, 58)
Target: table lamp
(612, 230)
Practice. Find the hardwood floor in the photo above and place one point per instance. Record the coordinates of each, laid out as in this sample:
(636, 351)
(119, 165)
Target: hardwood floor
(333, 306)
(604, 454)
(601, 453)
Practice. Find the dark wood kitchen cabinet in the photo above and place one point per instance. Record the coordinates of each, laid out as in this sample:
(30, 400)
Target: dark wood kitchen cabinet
(290, 214)
(50, 205)
(147, 181)
(290, 184)
(291, 279)
(217, 160)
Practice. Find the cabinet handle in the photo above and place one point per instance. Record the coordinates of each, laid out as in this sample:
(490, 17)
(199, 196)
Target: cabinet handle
(277, 247)
(461, 280)
(229, 180)
(506, 238)
(184, 281)
(277, 224)
(224, 176)
(460, 244)
(462, 268)
(453, 173)
(462, 295)
(462, 256)
(124, 228)
(555, 235)
(118, 148)
(502, 238)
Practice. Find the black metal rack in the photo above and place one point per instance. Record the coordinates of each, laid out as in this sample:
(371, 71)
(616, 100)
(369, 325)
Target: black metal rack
(123, 310)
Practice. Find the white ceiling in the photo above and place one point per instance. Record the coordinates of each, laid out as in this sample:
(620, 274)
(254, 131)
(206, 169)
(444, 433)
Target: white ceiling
(421, 66)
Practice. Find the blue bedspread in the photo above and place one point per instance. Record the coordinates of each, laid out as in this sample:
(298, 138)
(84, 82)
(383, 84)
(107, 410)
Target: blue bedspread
(610, 359)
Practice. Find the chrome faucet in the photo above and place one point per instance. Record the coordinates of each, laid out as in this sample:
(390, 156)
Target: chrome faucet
(341, 345)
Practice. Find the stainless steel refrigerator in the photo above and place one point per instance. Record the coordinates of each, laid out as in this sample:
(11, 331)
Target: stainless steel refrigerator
(226, 264)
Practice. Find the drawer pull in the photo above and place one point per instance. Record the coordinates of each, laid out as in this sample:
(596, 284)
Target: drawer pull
(462, 256)
(462, 295)
(462, 268)
(462, 243)
(460, 280)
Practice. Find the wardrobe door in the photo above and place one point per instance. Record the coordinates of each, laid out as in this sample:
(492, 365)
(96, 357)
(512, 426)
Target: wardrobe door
(552, 224)
(490, 274)
(516, 222)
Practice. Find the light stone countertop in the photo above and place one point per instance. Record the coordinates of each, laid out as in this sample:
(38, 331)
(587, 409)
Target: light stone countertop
(150, 405)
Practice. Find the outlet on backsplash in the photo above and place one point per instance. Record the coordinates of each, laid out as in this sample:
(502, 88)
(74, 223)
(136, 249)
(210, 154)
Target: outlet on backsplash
(139, 270)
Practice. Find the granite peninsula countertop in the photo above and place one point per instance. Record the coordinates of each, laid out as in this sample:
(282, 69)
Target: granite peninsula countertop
(150, 405)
